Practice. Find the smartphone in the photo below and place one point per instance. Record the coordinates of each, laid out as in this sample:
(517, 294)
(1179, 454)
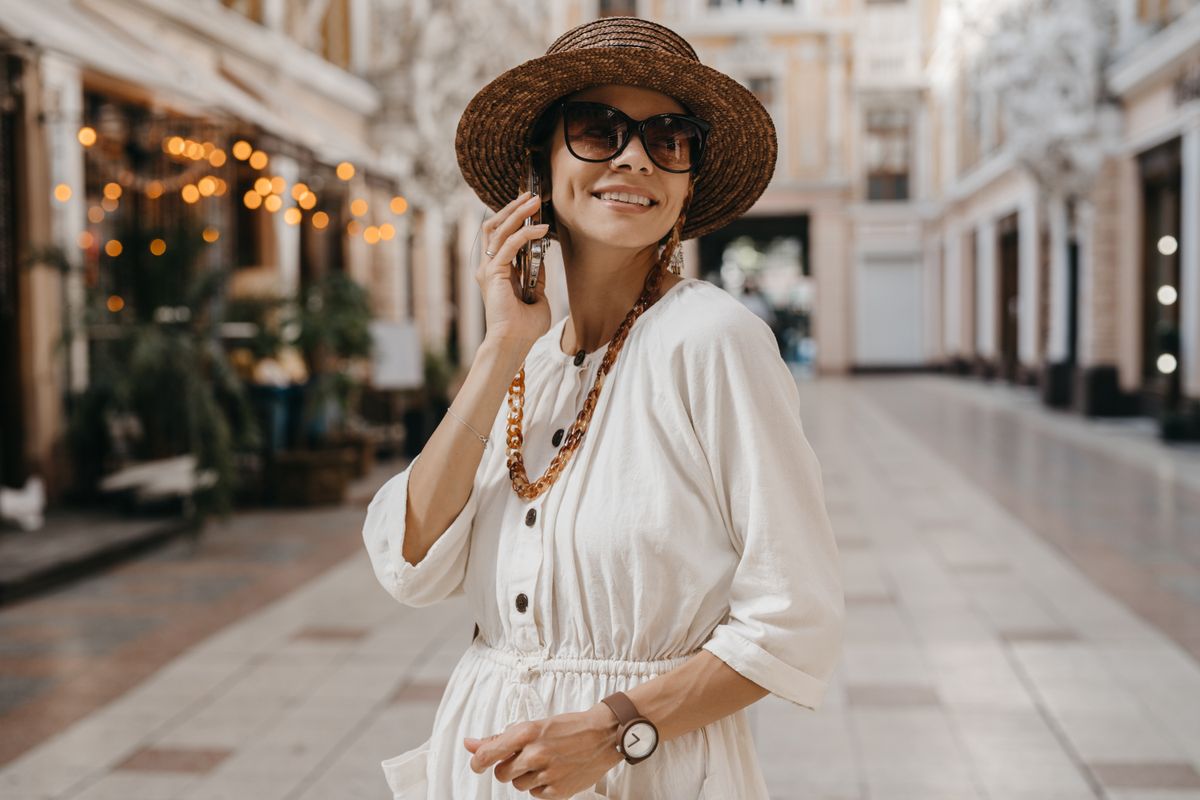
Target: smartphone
(533, 252)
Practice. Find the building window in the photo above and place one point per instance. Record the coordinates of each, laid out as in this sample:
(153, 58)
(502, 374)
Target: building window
(763, 87)
(888, 135)
(617, 8)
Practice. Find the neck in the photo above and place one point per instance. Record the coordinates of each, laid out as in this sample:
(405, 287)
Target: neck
(603, 283)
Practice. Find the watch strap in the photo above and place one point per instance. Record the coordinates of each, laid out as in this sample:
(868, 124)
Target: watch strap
(622, 706)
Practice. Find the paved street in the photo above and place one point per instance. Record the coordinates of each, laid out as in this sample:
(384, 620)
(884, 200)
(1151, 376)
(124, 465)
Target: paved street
(1023, 596)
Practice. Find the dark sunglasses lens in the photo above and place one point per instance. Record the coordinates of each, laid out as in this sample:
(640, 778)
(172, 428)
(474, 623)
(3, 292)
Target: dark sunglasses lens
(593, 132)
(674, 143)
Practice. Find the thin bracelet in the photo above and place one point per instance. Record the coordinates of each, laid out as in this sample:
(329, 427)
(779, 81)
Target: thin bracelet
(482, 438)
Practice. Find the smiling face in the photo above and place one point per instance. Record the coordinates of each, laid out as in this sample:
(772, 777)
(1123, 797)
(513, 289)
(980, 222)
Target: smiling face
(581, 214)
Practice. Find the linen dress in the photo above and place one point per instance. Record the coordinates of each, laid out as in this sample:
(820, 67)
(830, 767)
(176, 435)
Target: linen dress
(691, 516)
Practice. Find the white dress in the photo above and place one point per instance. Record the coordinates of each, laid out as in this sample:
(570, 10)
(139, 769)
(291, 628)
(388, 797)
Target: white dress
(691, 516)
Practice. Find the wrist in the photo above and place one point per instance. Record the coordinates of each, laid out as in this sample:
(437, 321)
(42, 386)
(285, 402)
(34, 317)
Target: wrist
(607, 724)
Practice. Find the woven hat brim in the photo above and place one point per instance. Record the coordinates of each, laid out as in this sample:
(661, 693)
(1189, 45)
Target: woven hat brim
(740, 152)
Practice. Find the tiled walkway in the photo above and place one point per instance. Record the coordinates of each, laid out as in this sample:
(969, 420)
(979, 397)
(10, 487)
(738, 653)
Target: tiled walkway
(1021, 595)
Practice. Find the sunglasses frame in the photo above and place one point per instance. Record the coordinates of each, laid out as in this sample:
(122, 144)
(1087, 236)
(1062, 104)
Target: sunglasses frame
(639, 127)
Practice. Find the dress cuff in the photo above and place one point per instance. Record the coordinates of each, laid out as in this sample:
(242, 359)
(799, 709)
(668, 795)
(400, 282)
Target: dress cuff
(771, 673)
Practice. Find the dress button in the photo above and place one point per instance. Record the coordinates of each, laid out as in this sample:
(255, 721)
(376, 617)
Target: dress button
(531, 517)
(558, 434)
(579, 358)
(522, 602)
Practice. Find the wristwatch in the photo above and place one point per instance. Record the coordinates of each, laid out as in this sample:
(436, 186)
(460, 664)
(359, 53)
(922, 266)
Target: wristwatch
(637, 737)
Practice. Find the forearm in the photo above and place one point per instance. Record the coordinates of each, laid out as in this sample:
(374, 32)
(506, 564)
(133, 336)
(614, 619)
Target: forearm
(701, 690)
(441, 481)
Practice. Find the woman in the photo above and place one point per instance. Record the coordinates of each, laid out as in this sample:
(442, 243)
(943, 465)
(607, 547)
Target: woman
(641, 535)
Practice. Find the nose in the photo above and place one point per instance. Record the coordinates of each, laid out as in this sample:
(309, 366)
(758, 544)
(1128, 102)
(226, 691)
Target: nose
(634, 155)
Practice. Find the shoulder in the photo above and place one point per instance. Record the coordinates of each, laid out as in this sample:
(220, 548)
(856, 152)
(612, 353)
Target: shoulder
(708, 322)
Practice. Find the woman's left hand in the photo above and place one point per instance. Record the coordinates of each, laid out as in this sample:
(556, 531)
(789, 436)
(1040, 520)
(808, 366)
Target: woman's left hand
(555, 757)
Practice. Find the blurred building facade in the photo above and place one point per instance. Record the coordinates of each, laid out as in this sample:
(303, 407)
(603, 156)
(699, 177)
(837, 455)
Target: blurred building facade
(126, 115)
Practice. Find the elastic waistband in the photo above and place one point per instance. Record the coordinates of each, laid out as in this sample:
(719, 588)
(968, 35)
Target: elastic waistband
(539, 662)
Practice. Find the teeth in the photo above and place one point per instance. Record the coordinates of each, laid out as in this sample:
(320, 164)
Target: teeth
(625, 197)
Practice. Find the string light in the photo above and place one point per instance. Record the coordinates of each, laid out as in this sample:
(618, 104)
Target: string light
(217, 158)
(292, 216)
(211, 234)
(252, 199)
(158, 247)
(307, 201)
(86, 240)
(113, 248)
(190, 193)
(95, 214)
(258, 160)
(87, 136)
(353, 227)
(359, 207)
(299, 189)
(371, 234)
(115, 303)
(154, 190)
(387, 231)
(263, 186)
(278, 184)
(273, 203)
(345, 170)
(62, 193)
(399, 205)
(108, 204)
(320, 220)
(112, 190)
(242, 150)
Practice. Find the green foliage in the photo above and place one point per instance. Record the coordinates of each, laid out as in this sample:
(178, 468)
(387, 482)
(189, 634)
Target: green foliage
(158, 360)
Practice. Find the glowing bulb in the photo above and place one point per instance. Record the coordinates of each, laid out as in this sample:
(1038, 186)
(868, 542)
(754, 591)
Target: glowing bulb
(1166, 363)
(353, 227)
(154, 190)
(112, 190)
(113, 248)
(1167, 295)
(399, 205)
(345, 170)
(1167, 245)
(359, 207)
(158, 247)
(190, 193)
(252, 199)
(307, 200)
(108, 204)
(96, 214)
(371, 234)
(207, 186)
(273, 203)
(242, 150)
(211, 234)
(292, 216)
(278, 184)
(115, 303)
(387, 231)
(62, 193)
(259, 160)
(320, 220)
(263, 186)
(86, 240)
(298, 190)
(217, 158)
(87, 136)
(175, 145)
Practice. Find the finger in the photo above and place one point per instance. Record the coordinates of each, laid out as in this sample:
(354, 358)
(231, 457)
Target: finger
(491, 222)
(514, 220)
(508, 250)
(493, 749)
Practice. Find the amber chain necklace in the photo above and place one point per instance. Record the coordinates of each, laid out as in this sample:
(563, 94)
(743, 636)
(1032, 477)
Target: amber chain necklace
(516, 401)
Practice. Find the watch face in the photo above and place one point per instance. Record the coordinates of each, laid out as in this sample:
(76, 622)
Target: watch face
(639, 740)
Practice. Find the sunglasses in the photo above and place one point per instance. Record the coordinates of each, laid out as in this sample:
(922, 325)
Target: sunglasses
(599, 132)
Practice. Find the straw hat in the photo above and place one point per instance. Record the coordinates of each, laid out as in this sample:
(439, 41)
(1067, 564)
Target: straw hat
(740, 151)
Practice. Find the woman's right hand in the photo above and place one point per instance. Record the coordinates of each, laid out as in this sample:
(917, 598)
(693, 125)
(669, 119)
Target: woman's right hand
(507, 316)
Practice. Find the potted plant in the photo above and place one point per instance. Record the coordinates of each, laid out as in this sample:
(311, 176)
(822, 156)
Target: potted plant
(332, 326)
(152, 323)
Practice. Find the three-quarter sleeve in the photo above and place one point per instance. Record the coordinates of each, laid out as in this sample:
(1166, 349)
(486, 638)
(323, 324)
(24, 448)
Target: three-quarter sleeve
(786, 604)
(437, 576)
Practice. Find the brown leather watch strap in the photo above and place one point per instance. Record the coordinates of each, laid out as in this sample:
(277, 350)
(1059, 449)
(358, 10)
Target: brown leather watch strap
(622, 706)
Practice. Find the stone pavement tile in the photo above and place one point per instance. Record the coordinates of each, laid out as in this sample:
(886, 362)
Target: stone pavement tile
(143, 786)
(1152, 794)
(173, 759)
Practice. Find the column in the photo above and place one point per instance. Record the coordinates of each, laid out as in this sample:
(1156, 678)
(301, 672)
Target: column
(1027, 280)
(1056, 344)
(985, 289)
(1189, 264)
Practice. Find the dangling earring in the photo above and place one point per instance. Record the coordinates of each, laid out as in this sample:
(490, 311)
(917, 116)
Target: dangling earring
(676, 265)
